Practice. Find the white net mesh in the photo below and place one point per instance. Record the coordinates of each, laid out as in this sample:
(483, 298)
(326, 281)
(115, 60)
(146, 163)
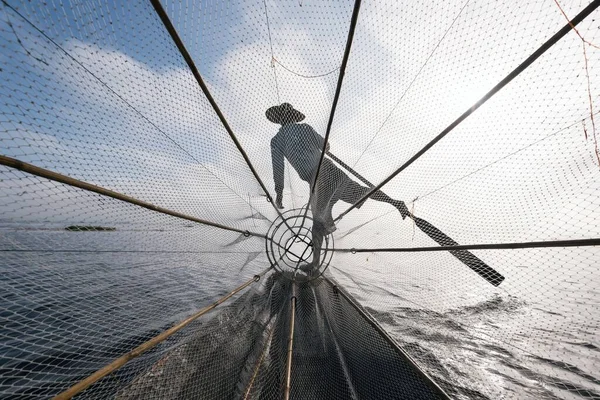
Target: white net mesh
(98, 92)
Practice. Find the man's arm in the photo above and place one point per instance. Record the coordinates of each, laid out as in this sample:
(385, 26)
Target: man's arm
(277, 157)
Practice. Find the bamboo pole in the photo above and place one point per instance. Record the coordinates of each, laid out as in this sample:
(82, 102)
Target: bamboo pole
(591, 7)
(482, 246)
(259, 363)
(119, 362)
(288, 375)
(67, 180)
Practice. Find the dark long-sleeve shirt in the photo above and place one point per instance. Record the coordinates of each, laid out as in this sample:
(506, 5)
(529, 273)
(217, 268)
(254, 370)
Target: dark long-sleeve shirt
(302, 146)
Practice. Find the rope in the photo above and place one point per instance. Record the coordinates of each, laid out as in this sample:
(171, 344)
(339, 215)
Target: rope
(302, 75)
(411, 83)
(55, 176)
(573, 26)
(138, 351)
(513, 74)
(272, 57)
(587, 76)
(591, 105)
(38, 59)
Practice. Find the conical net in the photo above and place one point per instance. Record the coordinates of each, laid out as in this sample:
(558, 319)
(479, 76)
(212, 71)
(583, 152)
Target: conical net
(142, 179)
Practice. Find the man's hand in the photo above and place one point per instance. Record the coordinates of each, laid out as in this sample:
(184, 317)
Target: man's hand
(279, 201)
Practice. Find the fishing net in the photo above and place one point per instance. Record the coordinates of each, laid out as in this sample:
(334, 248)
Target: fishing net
(138, 185)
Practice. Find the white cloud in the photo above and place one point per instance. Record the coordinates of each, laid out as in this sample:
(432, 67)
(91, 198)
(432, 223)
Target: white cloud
(75, 125)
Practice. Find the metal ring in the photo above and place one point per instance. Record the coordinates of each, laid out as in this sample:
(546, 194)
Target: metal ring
(278, 241)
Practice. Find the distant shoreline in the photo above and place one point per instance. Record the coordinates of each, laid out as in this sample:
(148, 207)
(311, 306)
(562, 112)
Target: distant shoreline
(88, 228)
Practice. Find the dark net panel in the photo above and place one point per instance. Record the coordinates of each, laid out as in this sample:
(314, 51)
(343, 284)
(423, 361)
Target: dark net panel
(247, 333)
(373, 366)
(100, 104)
(250, 334)
(337, 353)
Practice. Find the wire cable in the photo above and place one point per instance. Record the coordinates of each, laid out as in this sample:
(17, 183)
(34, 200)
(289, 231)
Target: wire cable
(303, 75)
(272, 56)
(412, 82)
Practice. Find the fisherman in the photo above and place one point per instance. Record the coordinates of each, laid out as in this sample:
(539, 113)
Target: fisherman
(301, 145)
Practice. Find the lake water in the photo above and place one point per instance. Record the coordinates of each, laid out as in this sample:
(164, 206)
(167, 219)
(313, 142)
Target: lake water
(65, 313)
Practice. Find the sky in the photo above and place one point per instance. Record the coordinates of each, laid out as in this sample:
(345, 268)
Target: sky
(109, 100)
